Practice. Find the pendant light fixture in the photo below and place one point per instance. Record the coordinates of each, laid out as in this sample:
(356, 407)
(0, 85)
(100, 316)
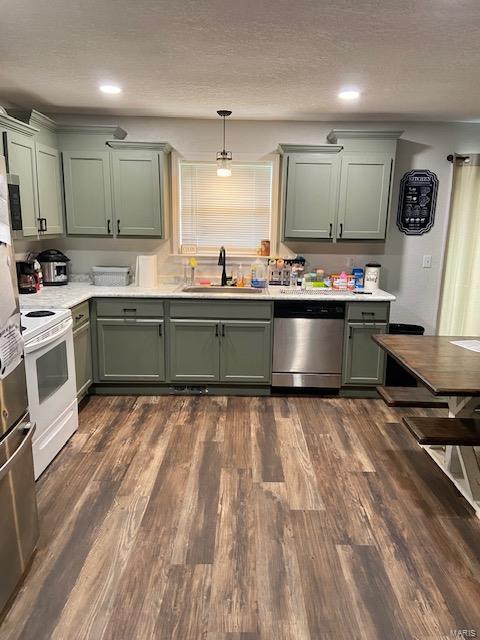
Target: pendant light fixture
(224, 158)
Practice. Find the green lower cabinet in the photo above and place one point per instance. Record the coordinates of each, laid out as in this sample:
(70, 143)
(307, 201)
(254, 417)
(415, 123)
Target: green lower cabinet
(363, 360)
(194, 350)
(245, 351)
(83, 359)
(130, 350)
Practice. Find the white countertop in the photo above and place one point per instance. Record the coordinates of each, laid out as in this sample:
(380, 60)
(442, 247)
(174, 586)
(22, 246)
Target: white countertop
(74, 293)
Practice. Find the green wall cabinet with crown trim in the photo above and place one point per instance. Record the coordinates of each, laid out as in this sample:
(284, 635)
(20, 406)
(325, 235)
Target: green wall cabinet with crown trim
(119, 191)
(88, 197)
(49, 189)
(339, 191)
(20, 151)
(137, 196)
(311, 194)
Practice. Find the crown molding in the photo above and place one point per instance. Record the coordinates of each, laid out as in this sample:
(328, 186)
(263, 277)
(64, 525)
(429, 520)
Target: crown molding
(17, 125)
(129, 144)
(34, 118)
(112, 131)
(357, 134)
(284, 147)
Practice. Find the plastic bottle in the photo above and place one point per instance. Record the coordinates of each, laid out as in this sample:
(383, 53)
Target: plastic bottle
(259, 278)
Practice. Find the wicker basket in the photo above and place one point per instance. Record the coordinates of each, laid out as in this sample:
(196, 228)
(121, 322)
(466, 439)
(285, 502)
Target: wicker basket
(111, 276)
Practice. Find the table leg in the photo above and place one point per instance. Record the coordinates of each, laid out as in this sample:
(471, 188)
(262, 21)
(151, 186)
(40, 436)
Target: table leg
(462, 461)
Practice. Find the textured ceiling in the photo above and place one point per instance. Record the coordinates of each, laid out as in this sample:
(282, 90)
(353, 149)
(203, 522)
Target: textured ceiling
(272, 59)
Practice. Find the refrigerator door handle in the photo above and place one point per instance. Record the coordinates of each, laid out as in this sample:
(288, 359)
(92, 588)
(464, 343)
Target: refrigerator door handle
(28, 429)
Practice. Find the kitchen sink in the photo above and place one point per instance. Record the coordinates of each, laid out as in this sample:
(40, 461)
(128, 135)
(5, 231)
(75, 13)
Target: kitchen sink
(220, 289)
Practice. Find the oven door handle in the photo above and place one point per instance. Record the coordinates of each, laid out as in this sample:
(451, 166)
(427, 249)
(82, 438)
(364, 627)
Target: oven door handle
(32, 346)
(28, 430)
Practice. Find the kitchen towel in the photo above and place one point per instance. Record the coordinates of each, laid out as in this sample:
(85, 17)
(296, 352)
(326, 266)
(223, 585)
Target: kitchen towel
(146, 272)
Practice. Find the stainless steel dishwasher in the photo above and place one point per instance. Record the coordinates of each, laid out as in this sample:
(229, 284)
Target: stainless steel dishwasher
(308, 343)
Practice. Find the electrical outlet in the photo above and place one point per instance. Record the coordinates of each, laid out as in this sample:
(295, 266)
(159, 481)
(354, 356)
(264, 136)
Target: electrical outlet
(427, 262)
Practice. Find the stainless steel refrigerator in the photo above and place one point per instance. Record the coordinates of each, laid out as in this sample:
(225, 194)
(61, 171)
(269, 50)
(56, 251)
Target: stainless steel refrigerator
(18, 507)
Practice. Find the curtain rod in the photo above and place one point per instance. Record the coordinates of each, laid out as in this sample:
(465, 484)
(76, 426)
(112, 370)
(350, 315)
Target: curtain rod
(472, 159)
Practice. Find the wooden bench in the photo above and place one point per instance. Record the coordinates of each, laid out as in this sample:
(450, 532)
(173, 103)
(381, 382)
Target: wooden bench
(411, 397)
(462, 432)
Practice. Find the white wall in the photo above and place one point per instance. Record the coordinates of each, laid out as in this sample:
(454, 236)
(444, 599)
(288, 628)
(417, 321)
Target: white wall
(422, 146)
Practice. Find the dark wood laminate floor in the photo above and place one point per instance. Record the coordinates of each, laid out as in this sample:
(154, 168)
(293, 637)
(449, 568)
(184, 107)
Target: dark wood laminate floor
(244, 519)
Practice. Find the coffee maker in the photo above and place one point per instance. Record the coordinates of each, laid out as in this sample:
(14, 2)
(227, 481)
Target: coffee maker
(27, 277)
(54, 267)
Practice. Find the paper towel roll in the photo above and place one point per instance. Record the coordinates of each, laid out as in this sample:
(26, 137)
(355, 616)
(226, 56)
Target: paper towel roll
(146, 271)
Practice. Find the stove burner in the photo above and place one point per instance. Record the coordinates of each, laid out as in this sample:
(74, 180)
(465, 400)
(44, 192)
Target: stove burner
(39, 314)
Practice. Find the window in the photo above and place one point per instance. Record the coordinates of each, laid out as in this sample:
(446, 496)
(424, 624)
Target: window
(235, 212)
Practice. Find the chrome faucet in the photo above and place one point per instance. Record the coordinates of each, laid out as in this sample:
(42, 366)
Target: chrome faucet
(222, 262)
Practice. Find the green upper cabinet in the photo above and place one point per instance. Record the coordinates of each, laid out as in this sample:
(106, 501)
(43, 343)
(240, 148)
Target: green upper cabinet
(88, 197)
(364, 195)
(311, 194)
(20, 152)
(340, 191)
(245, 351)
(137, 195)
(49, 189)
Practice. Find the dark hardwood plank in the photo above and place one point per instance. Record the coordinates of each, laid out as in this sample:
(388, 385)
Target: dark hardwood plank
(378, 612)
(328, 601)
(176, 621)
(281, 606)
(233, 605)
(267, 460)
(237, 450)
(195, 540)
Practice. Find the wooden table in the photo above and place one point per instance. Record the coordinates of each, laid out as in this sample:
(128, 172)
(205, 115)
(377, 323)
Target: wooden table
(448, 370)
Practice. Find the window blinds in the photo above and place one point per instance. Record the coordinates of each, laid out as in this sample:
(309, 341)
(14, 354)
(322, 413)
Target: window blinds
(234, 212)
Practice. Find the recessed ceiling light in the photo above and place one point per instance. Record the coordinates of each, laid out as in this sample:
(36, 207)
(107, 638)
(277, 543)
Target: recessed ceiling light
(349, 94)
(110, 88)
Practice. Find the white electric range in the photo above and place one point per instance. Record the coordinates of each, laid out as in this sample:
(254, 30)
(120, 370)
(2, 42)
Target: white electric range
(51, 384)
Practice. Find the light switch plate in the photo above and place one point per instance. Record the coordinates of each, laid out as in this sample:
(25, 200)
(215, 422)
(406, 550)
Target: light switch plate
(427, 262)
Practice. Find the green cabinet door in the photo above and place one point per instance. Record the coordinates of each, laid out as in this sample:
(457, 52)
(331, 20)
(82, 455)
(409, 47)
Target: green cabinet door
(83, 358)
(364, 195)
(130, 350)
(21, 161)
(311, 195)
(88, 198)
(49, 188)
(364, 361)
(194, 350)
(245, 351)
(136, 193)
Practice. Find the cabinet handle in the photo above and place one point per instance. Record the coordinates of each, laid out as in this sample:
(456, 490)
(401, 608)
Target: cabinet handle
(341, 229)
(160, 332)
(130, 309)
(331, 229)
(223, 330)
(368, 313)
(40, 225)
(216, 330)
(109, 230)
(118, 226)
(79, 317)
(46, 225)
(350, 329)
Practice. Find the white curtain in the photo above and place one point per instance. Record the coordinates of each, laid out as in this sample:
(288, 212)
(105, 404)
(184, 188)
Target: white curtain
(460, 304)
